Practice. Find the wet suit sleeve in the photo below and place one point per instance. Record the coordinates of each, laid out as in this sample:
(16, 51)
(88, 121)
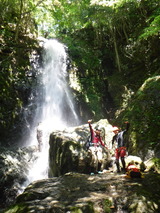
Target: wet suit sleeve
(124, 141)
(113, 139)
(127, 128)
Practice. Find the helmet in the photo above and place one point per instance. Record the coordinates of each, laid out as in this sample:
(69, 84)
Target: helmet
(115, 128)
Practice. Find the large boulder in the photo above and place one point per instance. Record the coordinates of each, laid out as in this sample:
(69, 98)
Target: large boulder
(68, 151)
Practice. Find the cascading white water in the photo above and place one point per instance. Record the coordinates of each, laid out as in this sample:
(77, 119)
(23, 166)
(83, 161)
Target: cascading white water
(56, 107)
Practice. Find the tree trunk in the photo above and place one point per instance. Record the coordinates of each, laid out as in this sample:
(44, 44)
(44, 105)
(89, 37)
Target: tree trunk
(19, 21)
(115, 48)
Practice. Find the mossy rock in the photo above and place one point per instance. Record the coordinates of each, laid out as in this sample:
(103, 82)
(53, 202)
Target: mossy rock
(143, 114)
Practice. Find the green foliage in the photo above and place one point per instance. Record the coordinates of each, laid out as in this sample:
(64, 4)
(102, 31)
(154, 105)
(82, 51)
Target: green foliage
(21, 208)
(109, 34)
(157, 163)
(107, 204)
(153, 29)
(85, 209)
(16, 46)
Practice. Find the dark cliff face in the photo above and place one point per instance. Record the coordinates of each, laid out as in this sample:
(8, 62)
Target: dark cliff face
(18, 75)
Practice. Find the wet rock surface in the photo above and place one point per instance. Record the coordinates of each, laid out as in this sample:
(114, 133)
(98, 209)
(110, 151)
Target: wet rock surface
(74, 193)
(14, 168)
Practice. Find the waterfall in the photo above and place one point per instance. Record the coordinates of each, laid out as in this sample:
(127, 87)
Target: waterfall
(55, 108)
(57, 99)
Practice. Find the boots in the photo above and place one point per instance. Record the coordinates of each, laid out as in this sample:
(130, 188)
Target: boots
(123, 164)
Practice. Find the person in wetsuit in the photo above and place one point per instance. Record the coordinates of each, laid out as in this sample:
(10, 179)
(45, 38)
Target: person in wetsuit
(96, 138)
(120, 151)
(97, 149)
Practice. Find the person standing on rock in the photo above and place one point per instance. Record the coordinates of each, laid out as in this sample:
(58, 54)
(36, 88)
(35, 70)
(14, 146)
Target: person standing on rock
(40, 136)
(96, 138)
(96, 150)
(120, 151)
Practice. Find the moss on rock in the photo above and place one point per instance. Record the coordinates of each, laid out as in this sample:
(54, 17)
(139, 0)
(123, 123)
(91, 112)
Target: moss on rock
(143, 113)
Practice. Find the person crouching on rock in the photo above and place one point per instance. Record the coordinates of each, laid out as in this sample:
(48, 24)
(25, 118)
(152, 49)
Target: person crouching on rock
(96, 138)
(120, 151)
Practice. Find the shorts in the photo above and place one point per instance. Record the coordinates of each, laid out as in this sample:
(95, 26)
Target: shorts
(120, 152)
